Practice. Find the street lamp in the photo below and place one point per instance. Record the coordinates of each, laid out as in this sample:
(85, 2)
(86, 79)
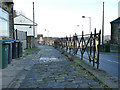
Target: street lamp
(89, 22)
(79, 25)
(47, 34)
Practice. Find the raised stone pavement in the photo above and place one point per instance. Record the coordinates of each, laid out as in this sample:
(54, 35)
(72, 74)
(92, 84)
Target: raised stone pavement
(52, 69)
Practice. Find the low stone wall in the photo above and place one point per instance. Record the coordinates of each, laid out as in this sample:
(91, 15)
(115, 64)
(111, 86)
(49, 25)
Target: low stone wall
(30, 41)
(114, 48)
(36, 42)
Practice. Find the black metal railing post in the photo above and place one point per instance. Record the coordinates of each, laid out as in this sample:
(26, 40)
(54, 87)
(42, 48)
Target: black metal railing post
(94, 47)
(90, 48)
(82, 47)
(98, 49)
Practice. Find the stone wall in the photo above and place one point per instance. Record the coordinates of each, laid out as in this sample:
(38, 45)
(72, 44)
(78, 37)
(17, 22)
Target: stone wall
(115, 33)
(115, 37)
(36, 42)
(11, 22)
(30, 42)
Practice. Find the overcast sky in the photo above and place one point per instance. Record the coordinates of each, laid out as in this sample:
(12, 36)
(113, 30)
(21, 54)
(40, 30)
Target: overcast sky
(61, 17)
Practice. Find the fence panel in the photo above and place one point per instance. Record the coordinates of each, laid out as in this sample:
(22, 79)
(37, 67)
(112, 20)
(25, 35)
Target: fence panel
(21, 35)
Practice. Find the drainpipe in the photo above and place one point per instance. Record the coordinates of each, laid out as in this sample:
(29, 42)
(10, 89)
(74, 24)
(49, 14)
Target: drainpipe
(13, 21)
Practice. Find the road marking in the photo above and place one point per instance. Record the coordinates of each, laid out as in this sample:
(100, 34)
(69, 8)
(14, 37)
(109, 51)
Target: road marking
(112, 61)
(110, 55)
(48, 59)
(105, 59)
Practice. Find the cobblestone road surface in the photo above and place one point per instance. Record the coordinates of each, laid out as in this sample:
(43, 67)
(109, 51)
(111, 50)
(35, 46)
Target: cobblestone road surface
(53, 70)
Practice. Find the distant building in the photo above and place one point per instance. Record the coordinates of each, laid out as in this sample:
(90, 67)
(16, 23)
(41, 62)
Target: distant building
(107, 37)
(40, 38)
(49, 40)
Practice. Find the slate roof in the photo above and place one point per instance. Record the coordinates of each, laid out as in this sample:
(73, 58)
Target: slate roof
(116, 20)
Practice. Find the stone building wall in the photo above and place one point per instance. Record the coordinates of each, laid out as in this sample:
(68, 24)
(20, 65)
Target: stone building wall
(115, 36)
(11, 22)
(115, 33)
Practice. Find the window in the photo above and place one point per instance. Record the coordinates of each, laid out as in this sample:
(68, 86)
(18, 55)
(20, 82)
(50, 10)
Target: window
(4, 23)
(119, 30)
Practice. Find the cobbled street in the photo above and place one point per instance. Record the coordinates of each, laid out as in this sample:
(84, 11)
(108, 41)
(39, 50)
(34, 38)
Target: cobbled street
(53, 70)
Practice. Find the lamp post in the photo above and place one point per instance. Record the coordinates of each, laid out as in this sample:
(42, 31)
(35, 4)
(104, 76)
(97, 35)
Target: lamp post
(103, 26)
(82, 27)
(33, 25)
(89, 22)
(47, 35)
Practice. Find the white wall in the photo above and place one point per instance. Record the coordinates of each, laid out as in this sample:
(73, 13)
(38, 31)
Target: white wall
(26, 29)
(23, 20)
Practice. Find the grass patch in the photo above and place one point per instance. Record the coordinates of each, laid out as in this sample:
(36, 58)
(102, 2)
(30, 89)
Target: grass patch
(27, 51)
(44, 80)
(17, 80)
(31, 49)
(76, 61)
(107, 75)
(17, 58)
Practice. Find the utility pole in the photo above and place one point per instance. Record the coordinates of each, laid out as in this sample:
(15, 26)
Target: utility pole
(103, 26)
(33, 24)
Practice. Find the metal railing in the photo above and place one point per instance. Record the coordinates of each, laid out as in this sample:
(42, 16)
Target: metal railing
(81, 44)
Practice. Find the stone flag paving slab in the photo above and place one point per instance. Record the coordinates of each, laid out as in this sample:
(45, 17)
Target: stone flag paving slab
(17, 70)
(52, 69)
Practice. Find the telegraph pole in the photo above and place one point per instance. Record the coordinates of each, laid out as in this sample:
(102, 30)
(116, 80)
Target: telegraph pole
(103, 26)
(33, 24)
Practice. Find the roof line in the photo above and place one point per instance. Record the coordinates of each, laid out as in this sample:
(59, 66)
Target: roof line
(26, 24)
(26, 18)
(115, 20)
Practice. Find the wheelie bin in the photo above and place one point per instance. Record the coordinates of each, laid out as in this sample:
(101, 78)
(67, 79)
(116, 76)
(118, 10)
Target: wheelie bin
(10, 52)
(20, 49)
(4, 48)
(15, 49)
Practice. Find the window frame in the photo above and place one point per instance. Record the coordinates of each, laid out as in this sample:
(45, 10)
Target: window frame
(4, 24)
